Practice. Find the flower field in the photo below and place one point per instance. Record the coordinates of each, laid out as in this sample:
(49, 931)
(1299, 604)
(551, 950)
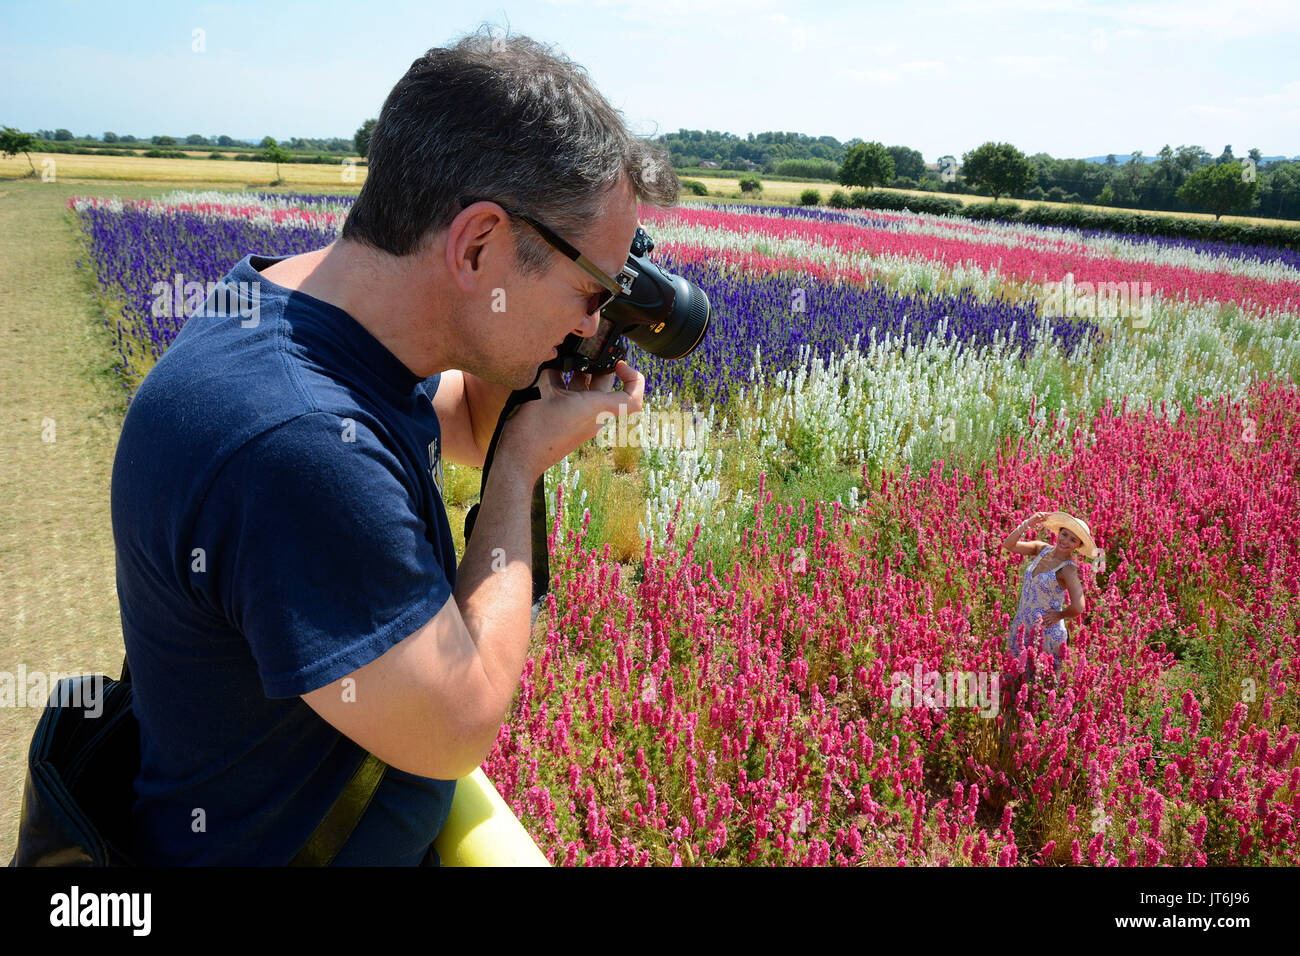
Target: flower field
(881, 399)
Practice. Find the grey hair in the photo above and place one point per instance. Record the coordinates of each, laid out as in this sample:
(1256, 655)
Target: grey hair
(506, 119)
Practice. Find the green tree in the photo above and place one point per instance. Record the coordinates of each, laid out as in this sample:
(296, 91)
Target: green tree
(273, 152)
(1280, 190)
(196, 139)
(867, 164)
(1191, 158)
(13, 142)
(110, 137)
(750, 184)
(908, 163)
(224, 140)
(1219, 188)
(63, 136)
(164, 140)
(998, 167)
(361, 138)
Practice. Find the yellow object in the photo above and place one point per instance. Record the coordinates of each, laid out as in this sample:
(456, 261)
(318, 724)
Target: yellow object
(481, 830)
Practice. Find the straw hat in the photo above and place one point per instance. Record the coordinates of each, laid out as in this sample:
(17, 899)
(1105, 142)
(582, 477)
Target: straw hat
(1079, 528)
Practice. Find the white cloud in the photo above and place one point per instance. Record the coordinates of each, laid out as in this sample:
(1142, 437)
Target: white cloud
(1028, 62)
(869, 77)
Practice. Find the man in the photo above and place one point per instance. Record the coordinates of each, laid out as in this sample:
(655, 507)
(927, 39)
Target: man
(286, 574)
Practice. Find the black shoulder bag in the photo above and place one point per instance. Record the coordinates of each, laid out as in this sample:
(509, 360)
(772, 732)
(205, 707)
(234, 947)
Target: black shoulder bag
(80, 784)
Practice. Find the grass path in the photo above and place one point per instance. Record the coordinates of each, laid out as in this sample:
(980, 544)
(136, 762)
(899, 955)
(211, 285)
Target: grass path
(58, 603)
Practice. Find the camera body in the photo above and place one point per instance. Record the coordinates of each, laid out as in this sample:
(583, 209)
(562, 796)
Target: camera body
(661, 312)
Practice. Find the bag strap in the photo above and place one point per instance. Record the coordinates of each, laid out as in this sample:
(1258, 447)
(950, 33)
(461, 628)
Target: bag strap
(541, 556)
(341, 818)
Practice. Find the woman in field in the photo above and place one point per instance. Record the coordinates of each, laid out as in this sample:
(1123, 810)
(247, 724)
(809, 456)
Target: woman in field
(1048, 578)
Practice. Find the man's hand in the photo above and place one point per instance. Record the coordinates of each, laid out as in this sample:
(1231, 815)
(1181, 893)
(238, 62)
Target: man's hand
(543, 432)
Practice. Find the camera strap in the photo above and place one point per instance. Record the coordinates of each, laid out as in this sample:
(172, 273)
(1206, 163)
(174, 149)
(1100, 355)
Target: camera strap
(541, 556)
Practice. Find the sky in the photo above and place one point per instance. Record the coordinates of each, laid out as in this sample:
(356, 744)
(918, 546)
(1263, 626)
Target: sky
(1066, 77)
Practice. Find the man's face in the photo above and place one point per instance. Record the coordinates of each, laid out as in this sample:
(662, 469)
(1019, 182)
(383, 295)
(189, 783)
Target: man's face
(542, 309)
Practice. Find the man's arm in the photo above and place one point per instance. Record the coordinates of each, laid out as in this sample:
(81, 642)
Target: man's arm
(433, 704)
(468, 408)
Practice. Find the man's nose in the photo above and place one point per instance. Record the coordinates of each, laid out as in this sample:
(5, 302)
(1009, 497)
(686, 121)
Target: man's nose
(588, 326)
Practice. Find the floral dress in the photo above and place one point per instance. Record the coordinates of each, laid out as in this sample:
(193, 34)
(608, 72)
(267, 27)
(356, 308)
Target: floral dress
(1041, 591)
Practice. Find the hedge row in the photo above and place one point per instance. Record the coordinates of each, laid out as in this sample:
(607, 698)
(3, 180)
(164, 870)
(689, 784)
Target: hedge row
(174, 152)
(1077, 217)
(53, 146)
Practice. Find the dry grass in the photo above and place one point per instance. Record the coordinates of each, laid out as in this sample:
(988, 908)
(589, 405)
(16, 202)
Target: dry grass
(626, 458)
(627, 510)
(72, 168)
(774, 190)
(58, 606)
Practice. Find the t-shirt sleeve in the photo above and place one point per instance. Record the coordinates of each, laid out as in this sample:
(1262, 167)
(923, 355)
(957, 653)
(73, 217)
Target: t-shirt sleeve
(317, 551)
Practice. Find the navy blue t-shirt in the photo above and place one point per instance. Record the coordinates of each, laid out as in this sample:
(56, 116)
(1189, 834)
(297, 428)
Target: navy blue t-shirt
(278, 524)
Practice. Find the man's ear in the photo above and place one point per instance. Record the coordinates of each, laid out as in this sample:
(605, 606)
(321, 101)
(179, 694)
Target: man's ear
(475, 241)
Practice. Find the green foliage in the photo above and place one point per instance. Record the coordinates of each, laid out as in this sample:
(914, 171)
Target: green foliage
(695, 187)
(879, 199)
(13, 142)
(163, 140)
(991, 210)
(156, 153)
(273, 152)
(1174, 227)
(998, 167)
(839, 200)
(750, 184)
(810, 197)
(1221, 188)
(908, 163)
(867, 164)
(808, 168)
(768, 150)
(361, 138)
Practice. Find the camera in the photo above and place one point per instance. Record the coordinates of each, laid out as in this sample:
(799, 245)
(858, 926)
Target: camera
(663, 313)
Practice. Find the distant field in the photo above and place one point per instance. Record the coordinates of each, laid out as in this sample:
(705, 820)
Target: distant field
(787, 191)
(72, 167)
